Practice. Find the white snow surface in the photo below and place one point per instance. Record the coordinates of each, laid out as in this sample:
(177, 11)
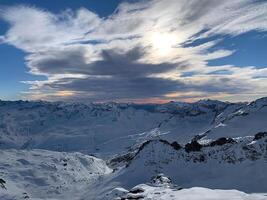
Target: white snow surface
(111, 128)
(162, 188)
(239, 166)
(47, 174)
(195, 193)
(45, 148)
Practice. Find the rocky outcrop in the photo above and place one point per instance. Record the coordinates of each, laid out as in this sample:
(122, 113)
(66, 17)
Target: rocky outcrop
(160, 179)
(176, 146)
(260, 135)
(193, 146)
(139, 191)
(2, 183)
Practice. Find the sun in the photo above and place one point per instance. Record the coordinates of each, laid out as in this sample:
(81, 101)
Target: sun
(163, 43)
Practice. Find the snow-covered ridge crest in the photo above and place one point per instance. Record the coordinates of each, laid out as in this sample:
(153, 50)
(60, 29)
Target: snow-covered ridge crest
(221, 163)
(96, 127)
(229, 150)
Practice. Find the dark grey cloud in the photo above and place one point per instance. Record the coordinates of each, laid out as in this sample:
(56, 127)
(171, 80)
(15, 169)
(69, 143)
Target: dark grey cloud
(114, 76)
(120, 88)
(59, 61)
(119, 76)
(116, 88)
(111, 63)
(126, 65)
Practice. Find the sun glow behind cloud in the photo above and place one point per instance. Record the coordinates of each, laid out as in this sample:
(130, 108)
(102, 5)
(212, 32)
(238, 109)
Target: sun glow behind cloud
(140, 53)
(163, 43)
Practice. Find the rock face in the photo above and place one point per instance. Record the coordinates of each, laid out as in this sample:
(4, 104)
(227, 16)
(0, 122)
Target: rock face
(160, 179)
(193, 146)
(2, 183)
(260, 135)
(176, 146)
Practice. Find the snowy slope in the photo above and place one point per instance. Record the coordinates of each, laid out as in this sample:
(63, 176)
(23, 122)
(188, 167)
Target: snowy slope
(196, 193)
(137, 141)
(47, 174)
(242, 121)
(238, 165)
(94, 128)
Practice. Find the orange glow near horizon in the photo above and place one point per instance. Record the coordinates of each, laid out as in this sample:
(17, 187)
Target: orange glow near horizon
(65, 93)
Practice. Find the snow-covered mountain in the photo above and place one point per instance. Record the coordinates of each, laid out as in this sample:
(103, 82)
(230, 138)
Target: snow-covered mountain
(216, 164)
(30, 174)
(99, 128)
(45, 148)
(241, 121)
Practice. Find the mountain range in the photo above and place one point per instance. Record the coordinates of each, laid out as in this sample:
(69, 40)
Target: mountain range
(59, 150)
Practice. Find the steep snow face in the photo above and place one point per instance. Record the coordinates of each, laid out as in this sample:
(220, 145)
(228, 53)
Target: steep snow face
(241, 165)
(95, 128)
(243, 120)
(47, 174)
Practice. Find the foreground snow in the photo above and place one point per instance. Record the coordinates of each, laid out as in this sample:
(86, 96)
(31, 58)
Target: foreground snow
(161, 188)
(196, 193)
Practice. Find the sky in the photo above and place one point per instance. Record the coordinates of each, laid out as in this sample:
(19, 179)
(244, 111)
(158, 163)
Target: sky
(143, 51)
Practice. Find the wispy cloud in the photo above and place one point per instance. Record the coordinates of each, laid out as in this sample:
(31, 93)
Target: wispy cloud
(141, 51)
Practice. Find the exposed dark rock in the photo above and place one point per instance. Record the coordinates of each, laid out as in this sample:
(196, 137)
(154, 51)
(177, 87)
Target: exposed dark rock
(160, 179)
(26, 196)
(193, 146)
(260, 135)
(222, 141)
(176, 146)
(143, 146)
(133, 196)
(137, 190)
(2, 183)
(120, 159)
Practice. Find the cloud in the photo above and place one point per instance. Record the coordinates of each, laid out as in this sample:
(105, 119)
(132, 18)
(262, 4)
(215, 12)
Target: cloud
(141, 51)
(33, 29)
(2, 39)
